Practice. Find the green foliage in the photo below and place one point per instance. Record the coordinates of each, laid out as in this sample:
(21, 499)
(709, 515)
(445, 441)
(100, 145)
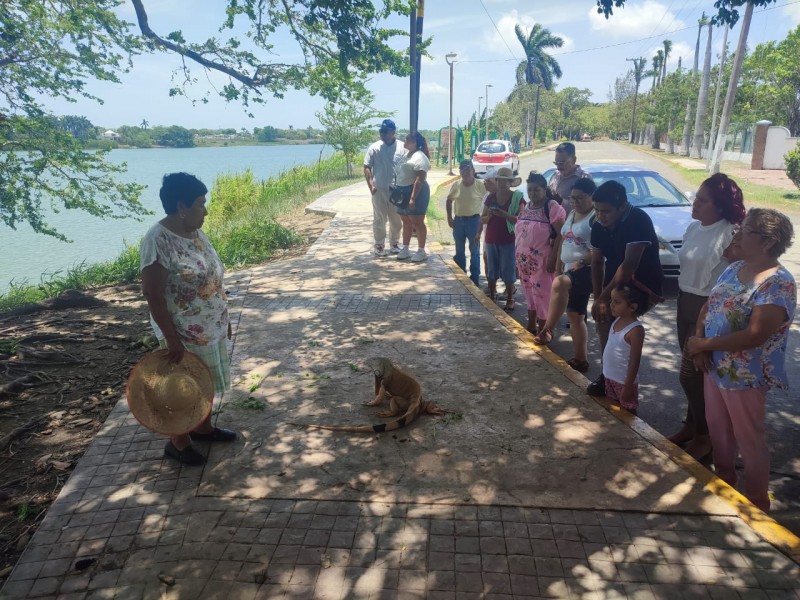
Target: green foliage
(792, 160)
(45, 48)
(538, 68)
(55, 49)
(347, 126)
(176, 137)
(771, 82)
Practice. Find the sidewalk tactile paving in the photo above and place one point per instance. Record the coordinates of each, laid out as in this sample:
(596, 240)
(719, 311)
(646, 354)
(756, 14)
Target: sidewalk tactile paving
(147, 532)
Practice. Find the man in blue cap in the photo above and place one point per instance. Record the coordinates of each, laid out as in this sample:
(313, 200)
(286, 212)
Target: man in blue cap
(379, 173)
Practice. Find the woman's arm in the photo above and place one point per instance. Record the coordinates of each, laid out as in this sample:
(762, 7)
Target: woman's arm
(154, 284)
(555, 248)
(765, 320)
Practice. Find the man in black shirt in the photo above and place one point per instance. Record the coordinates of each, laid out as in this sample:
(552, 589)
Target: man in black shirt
(624, 249)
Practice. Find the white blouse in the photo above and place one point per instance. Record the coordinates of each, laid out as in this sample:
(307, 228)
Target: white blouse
(405, 166)
(701, 256)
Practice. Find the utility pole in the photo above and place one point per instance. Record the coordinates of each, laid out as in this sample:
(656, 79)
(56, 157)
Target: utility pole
(478, 123)
(417, 15)
(488, 85)
(448, 58)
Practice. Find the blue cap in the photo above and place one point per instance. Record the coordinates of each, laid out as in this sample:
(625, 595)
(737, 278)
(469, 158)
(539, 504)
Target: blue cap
(388, 124)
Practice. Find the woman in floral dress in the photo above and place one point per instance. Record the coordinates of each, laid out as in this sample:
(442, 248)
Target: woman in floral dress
(182, 280)
(538, 234)
(740, 343)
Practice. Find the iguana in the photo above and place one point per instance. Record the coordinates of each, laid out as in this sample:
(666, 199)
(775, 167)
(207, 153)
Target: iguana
(405, 394)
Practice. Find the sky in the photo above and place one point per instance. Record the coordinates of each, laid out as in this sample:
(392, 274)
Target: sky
(480, 32)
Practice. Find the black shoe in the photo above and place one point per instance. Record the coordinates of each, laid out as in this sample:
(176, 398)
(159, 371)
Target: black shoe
(188, 456)
(597, 387)
(218, 435)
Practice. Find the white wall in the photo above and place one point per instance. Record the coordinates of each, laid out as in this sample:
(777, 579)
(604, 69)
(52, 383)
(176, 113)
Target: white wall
(779, 142)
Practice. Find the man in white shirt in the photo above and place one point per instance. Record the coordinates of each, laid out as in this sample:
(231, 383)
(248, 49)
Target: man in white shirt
(379, 173)
(465, 199)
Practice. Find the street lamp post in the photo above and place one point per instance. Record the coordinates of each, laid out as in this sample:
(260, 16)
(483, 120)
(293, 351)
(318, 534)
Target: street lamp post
(450, 60)
(488, 85)
(478, 122)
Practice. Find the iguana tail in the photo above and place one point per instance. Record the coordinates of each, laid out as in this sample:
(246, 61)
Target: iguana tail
(407, 418)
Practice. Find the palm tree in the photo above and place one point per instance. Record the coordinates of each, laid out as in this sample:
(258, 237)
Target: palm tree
(702, 101)
(638, 73)
(538, 68)
(145, 124)
(730, 96)
(712, 134)
(667, 50)
(658, 59)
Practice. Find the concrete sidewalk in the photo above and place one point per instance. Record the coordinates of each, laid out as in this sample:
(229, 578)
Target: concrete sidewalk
(528, 489)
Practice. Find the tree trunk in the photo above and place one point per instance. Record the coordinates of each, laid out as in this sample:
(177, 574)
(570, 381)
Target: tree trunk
(702, 103)
(687, 129)
(713, 133)
(670, 141)
(633, 116)
(730, 97)
(536, 113)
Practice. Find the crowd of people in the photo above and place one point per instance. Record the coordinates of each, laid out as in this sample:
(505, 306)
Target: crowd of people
(568, 242)
(571, 241)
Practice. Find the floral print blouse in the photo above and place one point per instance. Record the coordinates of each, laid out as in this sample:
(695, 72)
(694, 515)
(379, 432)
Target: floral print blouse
(729, 308)
(195, 294)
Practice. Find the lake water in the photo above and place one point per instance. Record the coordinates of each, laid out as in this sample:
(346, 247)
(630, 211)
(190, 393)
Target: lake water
(25, 255)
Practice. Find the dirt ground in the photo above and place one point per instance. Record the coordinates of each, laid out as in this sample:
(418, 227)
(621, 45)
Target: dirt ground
(63, 370)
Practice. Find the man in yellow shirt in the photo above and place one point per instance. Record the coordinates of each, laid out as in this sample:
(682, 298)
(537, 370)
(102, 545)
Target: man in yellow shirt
(464, 203)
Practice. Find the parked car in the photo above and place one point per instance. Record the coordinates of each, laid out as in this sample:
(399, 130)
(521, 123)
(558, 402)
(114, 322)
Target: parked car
(668, 208)
(495, 154)
(586, 137)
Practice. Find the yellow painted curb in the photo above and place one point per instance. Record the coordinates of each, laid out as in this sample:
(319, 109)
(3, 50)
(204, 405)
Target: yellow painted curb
(760, 522)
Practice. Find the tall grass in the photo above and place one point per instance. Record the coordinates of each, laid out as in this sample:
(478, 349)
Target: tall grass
(241, 224)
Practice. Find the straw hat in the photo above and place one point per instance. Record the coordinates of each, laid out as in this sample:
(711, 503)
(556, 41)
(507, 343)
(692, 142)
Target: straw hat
(506, 173)
(170, 398)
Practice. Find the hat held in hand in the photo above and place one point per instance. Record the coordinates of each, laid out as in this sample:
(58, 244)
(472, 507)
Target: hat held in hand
(170, 398)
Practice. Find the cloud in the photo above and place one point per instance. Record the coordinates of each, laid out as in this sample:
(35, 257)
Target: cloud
(506, 26)
(635, 20)
(792, 11)
(433, 89)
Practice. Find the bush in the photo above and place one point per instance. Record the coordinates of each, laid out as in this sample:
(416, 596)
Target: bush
(792, 160)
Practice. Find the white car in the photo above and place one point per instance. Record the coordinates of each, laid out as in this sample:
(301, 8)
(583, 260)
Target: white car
(495, 154)
(668, 208)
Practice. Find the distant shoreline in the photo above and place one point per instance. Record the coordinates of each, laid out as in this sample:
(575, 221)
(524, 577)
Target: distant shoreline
(103, 144)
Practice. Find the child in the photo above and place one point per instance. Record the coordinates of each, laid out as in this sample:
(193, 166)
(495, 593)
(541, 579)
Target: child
(623, 351)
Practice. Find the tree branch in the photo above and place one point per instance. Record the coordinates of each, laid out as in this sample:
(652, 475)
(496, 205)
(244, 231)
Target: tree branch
(144, 26)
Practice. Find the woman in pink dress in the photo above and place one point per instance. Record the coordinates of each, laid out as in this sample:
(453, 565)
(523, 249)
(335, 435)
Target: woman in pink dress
(538, 233)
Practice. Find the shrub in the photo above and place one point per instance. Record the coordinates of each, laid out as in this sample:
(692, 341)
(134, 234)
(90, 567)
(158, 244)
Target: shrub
(792, 160)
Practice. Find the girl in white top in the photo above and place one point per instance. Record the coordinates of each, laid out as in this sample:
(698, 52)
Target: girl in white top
(623, 351)
(411, 172)
(718, 207)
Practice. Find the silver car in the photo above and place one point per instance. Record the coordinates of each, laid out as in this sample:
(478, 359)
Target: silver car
(668, 208)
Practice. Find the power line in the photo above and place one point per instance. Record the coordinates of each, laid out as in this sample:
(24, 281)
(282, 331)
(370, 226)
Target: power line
(692, 27)
(510, 51)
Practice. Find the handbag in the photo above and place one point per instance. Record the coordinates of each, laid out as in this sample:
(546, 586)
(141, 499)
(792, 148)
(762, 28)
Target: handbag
(396, 196)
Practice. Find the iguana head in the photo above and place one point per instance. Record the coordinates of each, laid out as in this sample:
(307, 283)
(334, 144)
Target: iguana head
(379, 365)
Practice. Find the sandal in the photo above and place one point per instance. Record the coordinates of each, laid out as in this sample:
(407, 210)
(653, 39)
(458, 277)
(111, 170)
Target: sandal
(544, 337)
(579, 365)
(510, 305)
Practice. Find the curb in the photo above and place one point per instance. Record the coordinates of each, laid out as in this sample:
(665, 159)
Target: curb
(760, 522)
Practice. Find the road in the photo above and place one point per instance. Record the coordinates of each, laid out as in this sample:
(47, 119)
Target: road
(662, 402)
